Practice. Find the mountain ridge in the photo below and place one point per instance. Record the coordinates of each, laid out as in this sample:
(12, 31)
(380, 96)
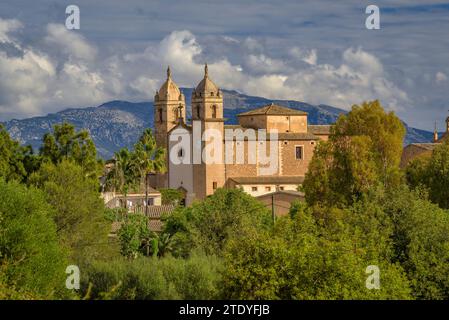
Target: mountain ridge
(116, 124)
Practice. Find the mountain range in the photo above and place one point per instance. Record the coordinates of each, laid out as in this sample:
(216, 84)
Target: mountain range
(117, 124)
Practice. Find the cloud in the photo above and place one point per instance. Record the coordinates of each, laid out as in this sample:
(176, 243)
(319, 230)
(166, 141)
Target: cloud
(71, 43)
(68, 71)
(440, 77)
(36, 82)
(308, 57)
(6, 27)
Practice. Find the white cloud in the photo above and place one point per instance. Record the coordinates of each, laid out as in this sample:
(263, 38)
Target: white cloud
(6, 27)
(440, 77)
(75, 75)
(310, 57)
(70, 42)
(263, 64)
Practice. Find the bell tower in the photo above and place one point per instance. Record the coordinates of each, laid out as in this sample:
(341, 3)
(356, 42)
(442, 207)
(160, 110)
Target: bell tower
(169, 108)
(207, 110)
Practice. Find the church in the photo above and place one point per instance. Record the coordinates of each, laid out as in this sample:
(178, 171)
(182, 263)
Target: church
(239, 148)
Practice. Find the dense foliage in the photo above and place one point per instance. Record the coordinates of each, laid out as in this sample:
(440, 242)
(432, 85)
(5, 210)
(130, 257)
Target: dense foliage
(359, 212)
(363, 151)
(432, 173)
(32, 263)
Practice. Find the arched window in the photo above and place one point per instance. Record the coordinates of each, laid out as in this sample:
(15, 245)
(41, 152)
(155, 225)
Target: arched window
(214, 111)
(198, 109)
(160, 115)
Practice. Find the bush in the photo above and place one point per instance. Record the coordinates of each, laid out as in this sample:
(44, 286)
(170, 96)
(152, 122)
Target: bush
(31, 260)
(197, 277)
(209, 224)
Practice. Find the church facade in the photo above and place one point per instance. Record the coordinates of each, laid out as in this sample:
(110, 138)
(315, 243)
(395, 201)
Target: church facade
(268, 151)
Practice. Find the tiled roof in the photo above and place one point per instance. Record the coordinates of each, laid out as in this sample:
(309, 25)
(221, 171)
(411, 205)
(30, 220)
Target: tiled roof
(320, 129)
(158, 211)
(281, 135)
(269, 180)
(289, 192)
(153, 225)
(273, 109)
(154, 215)
(151, 191)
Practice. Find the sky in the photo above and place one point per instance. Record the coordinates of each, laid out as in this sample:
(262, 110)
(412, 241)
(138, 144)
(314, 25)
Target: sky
(314, 51)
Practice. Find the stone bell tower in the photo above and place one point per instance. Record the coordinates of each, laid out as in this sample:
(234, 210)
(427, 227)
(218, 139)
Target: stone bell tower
(207, 111)
(169, 107)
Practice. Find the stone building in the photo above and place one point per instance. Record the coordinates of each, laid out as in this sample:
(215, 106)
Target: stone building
(239, 153)
(414, 150)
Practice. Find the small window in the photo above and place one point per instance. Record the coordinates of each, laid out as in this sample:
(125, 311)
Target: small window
(160, 115)
(214, 185)
(267, 188)
(151, 201)
(299, 152)
(198, 112)
(214, 111)
(281, 188)
(212, 94)
(253, 188)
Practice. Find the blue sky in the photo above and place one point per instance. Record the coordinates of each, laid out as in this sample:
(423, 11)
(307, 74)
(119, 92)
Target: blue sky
(313, 51)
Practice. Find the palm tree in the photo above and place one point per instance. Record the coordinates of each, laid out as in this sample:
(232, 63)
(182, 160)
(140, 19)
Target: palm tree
(148, 158)
(123, 175)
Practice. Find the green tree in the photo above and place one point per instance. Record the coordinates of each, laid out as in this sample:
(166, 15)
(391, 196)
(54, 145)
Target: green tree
(433, 173)
(148, 158)
(198, 277)
(123, 175)
(12, 157)
(32, 263)
(363, 150)
(67, 143)
(316, 255)
(79, 210)
(171, 196)
(135, 236)
(386, 132)
(209, 224)
(340, 171)
(421, 241)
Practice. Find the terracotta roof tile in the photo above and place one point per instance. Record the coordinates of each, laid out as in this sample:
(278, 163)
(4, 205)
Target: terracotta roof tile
(269, 180)
(320, 129)
(272, 109)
